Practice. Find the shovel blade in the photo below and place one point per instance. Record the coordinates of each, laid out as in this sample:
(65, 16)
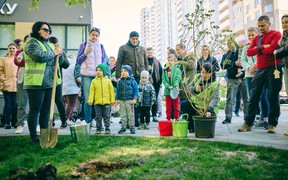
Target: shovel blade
(44, 137)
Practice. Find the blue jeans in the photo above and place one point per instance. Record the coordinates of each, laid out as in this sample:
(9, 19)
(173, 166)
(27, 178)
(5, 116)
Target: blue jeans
(86, 82)
(10, 107)
(232, 87)
(39, 108)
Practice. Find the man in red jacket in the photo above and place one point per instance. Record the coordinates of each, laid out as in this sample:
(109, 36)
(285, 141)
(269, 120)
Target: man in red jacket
(268, 73)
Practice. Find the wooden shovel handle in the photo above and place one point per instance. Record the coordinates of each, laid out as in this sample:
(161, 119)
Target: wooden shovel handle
(53, 94)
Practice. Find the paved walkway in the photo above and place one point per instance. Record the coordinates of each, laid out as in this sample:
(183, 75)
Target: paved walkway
(224, 133)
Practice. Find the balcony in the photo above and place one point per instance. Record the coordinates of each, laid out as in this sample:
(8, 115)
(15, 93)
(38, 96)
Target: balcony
(224, 15)
(225, 24)
(223, 5)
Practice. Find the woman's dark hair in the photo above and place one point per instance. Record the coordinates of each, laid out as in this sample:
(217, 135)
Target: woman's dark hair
(26, 37)
(17, 41)
(36, 28)
(284, 16)
(95, 29)
(53, 40)
(208, 67)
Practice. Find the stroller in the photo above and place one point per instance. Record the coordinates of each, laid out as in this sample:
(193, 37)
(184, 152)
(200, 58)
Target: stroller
(79, 113)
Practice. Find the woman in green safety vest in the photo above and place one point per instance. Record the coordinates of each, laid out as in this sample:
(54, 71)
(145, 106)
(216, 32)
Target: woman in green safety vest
(204, 86)
(38, 79)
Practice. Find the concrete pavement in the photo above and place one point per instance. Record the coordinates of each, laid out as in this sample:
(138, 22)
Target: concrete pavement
(225, 133)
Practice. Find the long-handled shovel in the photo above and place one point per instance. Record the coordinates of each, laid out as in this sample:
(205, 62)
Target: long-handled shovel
(49, 137)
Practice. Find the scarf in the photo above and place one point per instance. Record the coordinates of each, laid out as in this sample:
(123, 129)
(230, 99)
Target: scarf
(285, 34)
(130, 44)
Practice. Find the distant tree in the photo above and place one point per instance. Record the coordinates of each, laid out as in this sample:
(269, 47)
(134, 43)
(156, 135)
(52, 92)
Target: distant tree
(35, 3)
(201, 29)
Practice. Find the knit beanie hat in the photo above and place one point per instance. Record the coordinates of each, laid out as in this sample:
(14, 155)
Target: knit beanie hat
(134, 34)
(103, 67)
(145, 74)
(128, 69)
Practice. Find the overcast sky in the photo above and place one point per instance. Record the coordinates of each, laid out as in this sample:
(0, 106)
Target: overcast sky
(116, 19)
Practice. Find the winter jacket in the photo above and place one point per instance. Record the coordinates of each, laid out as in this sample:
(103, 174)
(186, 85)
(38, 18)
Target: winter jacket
(101, 91)
(209, 94)
(155, 70)
(210, 59)
(247, 61)
(147, 94)
(188, 70)
(39, 64)
(69, 85)
(127, 89)
(8, 71)
(228, 62)
(133, 56)
(175, 79)
(282, 49)
(82, 58)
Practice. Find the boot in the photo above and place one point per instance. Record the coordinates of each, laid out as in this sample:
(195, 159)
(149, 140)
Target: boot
(141, 126)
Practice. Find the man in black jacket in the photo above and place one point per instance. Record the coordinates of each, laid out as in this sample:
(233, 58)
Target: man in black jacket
(155, 71)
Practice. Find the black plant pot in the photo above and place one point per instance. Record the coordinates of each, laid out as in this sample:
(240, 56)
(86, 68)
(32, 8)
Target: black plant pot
(204, 126)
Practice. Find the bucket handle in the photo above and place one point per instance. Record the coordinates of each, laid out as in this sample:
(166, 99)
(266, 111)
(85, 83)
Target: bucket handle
(183, 117)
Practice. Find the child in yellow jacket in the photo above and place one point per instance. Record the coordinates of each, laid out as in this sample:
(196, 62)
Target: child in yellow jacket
(102, 96)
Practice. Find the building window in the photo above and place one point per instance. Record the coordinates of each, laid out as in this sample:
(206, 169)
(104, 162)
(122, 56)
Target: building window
(7, 34)
(248, 19)
(272, 20)
(268, 8)
(257, 14)
(247, 8)
(70, 37)
(257, 2)
(237, 12)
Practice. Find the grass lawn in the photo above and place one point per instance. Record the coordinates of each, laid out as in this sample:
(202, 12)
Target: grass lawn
(146, 158)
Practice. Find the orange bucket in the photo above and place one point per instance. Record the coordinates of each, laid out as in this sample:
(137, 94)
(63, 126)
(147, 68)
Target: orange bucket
(165, 128)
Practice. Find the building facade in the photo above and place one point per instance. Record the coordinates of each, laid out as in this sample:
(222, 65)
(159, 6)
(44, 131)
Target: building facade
(69, 24)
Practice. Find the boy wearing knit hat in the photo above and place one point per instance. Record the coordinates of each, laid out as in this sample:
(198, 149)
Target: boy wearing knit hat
(147, 98)
(126, 95)
(102, 96)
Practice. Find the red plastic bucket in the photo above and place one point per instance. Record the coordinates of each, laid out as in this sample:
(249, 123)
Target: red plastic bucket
(165, 128)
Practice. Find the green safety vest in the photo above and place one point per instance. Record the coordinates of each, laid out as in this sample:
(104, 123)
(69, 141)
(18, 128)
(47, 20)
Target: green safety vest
(34, 71)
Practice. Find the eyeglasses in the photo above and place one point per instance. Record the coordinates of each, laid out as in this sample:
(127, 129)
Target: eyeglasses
(46, 30)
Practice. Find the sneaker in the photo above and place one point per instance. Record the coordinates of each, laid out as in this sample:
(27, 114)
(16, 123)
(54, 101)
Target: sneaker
(271, 129)
(265, 125)
(286, 133)
(141, 127)
(19, 130)
(34, 141)
(98, 131)
(155, 119)
(226, 121)
(7, 126)
(121, 131)
(244, 128)
(107, 131)
(146, 126)
(132, 131)
(38, 129)
(69, 122)
(63, 125)
(236, 114)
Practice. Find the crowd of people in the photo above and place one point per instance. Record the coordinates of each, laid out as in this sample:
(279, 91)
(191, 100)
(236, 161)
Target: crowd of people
(131, 83)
